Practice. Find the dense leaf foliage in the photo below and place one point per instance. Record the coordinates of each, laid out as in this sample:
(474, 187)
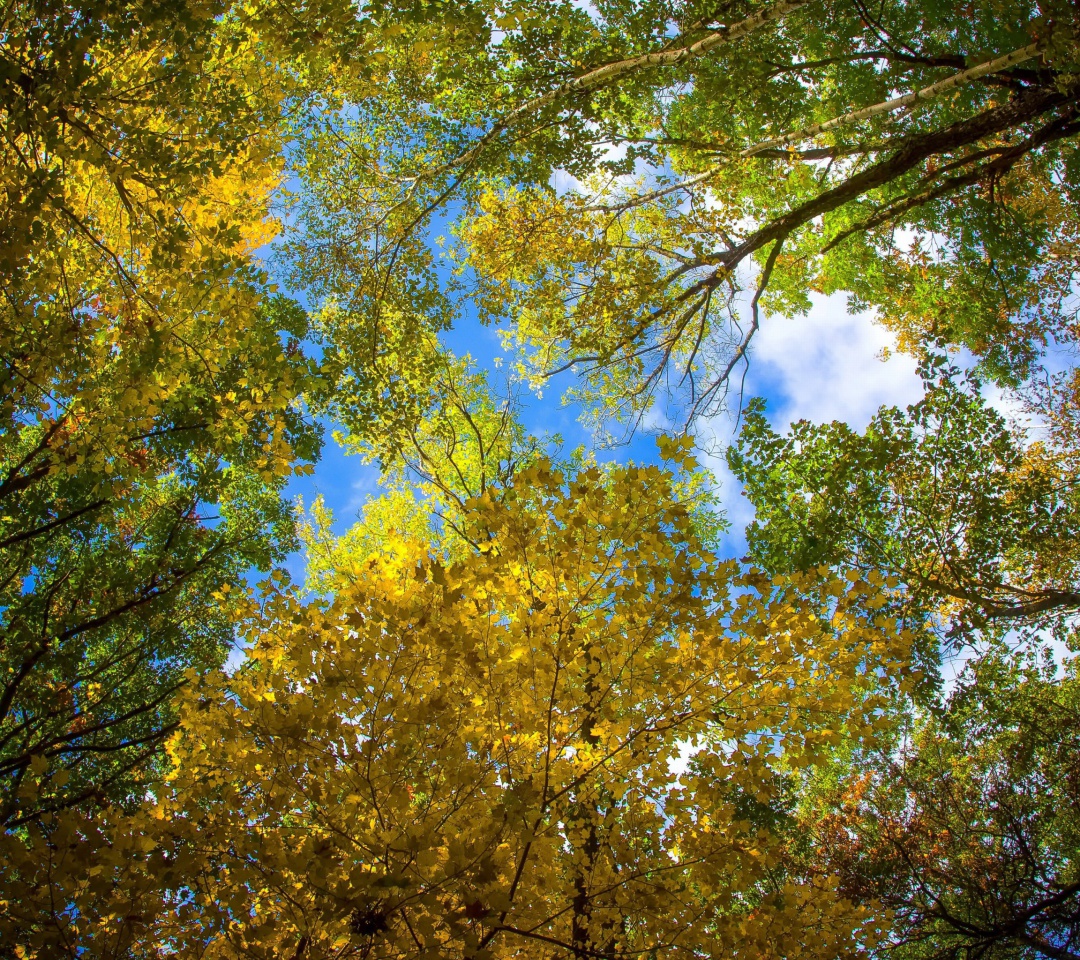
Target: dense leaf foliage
(527, 706)
(149, 413)
(968, 831)
(977, 523)
(729, 158)
(484, 756)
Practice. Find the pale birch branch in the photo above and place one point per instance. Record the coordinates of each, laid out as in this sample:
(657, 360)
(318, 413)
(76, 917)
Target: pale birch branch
(619, 68)
(655, 194)
(897, 103)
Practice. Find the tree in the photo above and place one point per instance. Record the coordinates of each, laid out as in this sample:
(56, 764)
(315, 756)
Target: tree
(477, 757)
(965, 825)
(977, 522)
(114, 551)
(719, 149)
(149, 383)
(468, 443)
(968, 832)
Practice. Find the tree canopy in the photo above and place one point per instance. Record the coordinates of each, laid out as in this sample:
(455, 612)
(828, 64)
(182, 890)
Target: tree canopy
(976, 522)
(967, 831)
(730, 158)
(484, 756)
(532, 704)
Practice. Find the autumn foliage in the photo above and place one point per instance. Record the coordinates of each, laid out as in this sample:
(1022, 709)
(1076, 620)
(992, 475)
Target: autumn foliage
(530, 704)
(568, 741)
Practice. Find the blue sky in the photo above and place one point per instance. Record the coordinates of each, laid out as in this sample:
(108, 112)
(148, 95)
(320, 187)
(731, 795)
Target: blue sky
(823, 366)
(826, 365)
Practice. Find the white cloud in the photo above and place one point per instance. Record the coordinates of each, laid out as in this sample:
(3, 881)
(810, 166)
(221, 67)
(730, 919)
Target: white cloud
(1009, 405)
(737, 508)
(824, 366)
(588, 6)
(562, 182)
(828, 365)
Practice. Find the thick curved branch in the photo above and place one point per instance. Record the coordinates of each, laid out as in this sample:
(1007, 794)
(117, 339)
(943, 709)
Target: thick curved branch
(1006, 158)
(1020, 109)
